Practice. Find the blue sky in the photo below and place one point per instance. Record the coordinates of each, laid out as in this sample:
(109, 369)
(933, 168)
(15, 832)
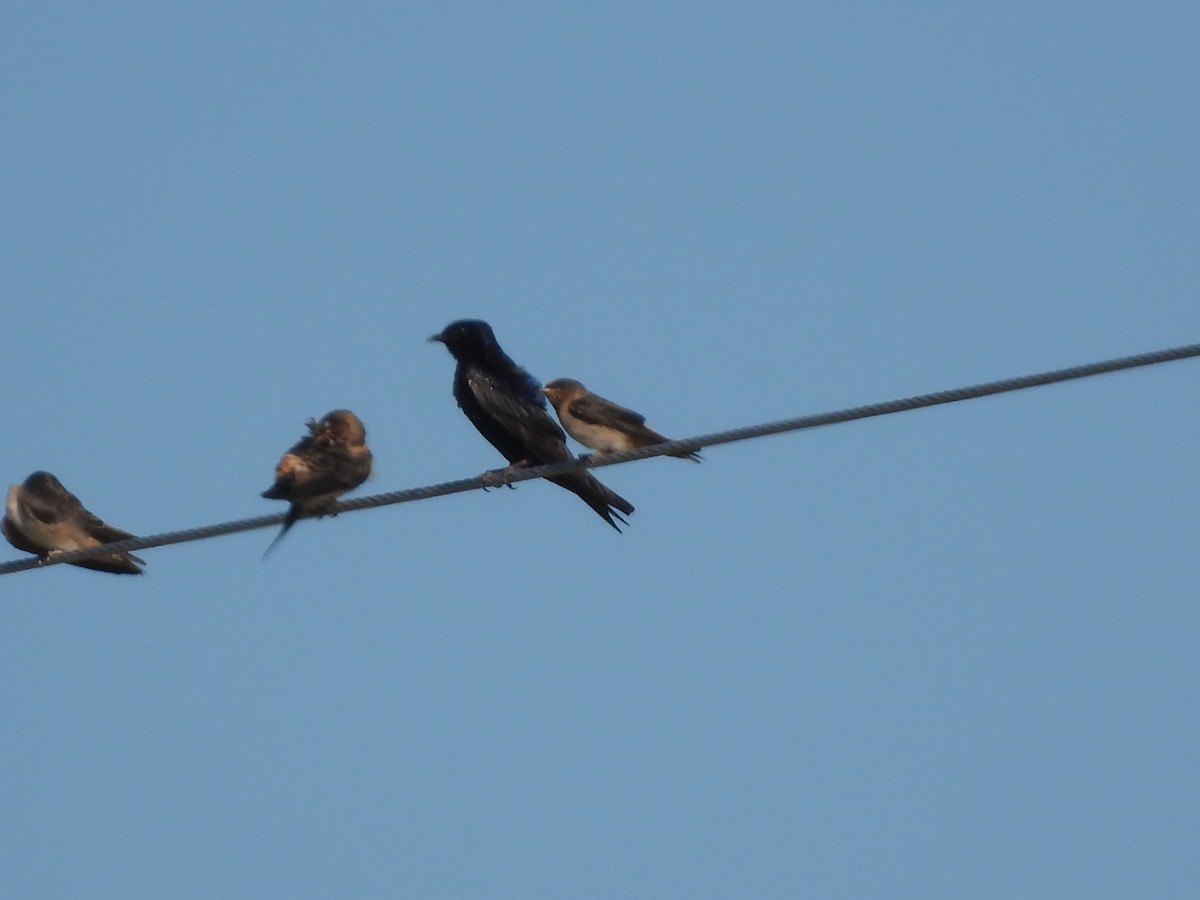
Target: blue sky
(948, 653)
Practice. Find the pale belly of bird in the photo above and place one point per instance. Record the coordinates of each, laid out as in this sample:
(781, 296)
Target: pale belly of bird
(598, 437)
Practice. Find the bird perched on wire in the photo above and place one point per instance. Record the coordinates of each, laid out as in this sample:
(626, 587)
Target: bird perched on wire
(601, 424)
(326, 463)
(43, 517)
(505, 403)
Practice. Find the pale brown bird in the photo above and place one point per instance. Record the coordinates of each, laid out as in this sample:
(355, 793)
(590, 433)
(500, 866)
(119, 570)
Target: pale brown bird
(323, 465)
(43, 517)
(601, 424)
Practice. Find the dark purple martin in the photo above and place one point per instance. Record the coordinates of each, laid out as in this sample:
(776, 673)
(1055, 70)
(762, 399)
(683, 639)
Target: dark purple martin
(601, 424)
(43, 517)
(326, 463)
(505, 403)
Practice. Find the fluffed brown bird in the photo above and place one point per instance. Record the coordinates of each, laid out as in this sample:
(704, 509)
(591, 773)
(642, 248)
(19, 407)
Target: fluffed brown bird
(326, 463)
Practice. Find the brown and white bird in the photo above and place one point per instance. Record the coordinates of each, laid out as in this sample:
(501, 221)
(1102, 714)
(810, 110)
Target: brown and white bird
(43, 517)
(326, 463)
(601, 424)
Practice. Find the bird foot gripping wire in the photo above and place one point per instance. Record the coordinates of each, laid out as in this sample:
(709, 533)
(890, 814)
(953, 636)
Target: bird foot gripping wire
(501, 477)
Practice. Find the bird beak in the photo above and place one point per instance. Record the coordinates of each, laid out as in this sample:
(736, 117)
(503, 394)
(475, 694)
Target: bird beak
(435, 339)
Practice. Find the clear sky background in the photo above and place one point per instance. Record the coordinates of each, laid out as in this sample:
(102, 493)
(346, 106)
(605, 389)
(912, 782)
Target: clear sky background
(951, 653)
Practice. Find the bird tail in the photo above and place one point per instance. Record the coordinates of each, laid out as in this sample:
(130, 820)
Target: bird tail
(292, 515)
(608, 504)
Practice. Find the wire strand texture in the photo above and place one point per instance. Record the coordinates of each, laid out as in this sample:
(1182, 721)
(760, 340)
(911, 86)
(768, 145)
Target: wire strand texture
(594, 461)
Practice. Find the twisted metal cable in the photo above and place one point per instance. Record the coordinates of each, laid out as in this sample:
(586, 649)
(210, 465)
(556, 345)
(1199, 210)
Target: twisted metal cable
(611, 459)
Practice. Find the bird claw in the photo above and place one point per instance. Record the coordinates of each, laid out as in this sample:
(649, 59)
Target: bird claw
(496, 478)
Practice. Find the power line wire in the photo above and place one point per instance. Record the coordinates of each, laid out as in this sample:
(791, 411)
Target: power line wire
(611, 459)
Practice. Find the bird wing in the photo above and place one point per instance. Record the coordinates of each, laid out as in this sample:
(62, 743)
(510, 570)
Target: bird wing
(521, 416)
(52, 509)
(596, 410)
(101, 530)
(59, 510)
(66, 508)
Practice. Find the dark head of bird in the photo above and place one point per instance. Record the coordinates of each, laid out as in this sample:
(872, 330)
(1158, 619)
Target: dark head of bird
(44, 483)
(468, 339)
